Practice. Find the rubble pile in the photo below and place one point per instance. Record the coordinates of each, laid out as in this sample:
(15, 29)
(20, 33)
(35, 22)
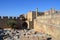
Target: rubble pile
(24, 35)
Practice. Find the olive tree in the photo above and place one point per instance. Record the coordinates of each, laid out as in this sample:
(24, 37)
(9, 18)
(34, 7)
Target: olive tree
(11, 23)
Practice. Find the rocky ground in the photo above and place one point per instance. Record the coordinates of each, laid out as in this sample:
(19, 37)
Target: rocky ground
(24, 35)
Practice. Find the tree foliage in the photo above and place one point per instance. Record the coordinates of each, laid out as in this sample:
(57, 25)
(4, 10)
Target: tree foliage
(11, 23)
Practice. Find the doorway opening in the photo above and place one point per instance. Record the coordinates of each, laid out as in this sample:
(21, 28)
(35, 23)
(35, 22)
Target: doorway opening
(24, 25)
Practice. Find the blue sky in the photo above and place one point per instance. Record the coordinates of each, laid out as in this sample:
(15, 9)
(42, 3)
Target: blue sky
(17, 7)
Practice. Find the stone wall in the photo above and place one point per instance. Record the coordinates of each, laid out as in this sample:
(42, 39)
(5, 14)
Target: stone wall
(4, 19)
(49, 24)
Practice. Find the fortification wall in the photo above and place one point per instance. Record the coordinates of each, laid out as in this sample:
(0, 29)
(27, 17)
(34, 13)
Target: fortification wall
(48, 24)
(4, 19)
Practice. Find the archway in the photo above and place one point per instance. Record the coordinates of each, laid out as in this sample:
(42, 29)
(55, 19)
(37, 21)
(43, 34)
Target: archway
(49, 38)
(24, 25)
